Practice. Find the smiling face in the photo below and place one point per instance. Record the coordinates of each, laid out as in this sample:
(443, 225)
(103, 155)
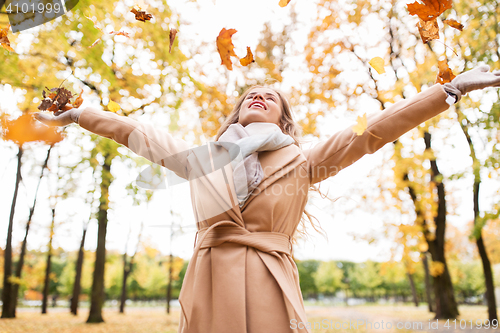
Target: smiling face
(260, 105)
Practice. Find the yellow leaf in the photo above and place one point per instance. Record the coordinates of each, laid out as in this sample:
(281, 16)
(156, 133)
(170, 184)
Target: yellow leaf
(361, 125)
(283, 3)
(378, 64)
(113, 107)
(248, 58)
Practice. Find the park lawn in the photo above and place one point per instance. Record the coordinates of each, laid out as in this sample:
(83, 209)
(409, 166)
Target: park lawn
(136, 320)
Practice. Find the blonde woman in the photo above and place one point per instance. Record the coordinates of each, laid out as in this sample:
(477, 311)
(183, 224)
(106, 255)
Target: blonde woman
(249, 190)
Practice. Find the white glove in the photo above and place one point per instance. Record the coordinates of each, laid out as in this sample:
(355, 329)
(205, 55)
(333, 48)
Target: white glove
(477, 78)
(60, 118)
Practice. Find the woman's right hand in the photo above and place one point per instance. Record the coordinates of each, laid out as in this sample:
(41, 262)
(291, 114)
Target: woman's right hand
(59, 118)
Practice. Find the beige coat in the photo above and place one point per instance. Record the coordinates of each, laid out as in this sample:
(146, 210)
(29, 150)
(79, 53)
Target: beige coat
(241, 277)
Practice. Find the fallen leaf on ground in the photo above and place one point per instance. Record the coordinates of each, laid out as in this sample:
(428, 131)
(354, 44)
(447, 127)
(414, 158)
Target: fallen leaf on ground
(4, 40)
(113, 106)
(428, 30)
(283, 3)
(225, 47)
(429, 9)
(378, 64)
(445, 74)
(454, 24)
(248, 58)
(171, 36)
(141, 15)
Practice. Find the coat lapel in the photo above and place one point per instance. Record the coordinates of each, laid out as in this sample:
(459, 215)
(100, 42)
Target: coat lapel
(275, 165)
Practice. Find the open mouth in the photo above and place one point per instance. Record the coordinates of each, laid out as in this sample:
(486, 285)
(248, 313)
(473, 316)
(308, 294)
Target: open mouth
(257, 104)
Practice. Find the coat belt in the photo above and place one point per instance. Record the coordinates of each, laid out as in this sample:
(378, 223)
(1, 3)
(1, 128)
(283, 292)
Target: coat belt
(222, 232)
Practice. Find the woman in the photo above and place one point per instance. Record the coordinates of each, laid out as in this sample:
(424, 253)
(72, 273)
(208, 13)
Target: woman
(241, 277)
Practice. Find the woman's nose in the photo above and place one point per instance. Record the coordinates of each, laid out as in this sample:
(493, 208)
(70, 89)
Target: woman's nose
(258, 96)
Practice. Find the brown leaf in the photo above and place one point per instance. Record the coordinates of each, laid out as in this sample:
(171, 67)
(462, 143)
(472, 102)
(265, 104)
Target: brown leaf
(26, 129)
(248, 58)
(57, 100)
(454, 24)
(429, 9)
(119, 33)
(171, 35)
(225, 47)
(141, 15)
(4, 40)
(428, 30)
(445, 74)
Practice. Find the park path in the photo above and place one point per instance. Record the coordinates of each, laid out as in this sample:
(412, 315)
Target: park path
(349, 319)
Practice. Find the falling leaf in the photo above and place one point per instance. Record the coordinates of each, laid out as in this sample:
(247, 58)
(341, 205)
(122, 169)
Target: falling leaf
(248, 58)
(361, 124)
(454, 24)
(113, 106)
(171, 35)
(378, 64)
(78, 101)
(225, 47)
(119, 33)
(26, 129)
(445, 74)
(283, 3)
(429, 9)
(4, 40)
(429, 30)
(141, 16)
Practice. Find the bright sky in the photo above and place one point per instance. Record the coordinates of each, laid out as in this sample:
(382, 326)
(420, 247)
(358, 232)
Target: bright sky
(336, 219)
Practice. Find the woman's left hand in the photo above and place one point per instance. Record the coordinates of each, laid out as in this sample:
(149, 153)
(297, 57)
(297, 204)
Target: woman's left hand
(477, 78)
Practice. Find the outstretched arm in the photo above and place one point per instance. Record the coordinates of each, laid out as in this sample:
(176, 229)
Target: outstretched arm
(344, 148)
(154, 144)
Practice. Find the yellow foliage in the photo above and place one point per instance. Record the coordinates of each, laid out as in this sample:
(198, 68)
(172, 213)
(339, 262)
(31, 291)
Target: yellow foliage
(436, 268)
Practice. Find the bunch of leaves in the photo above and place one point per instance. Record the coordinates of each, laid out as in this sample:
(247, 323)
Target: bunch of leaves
(4, 40)
(225, 48)
(25, 129)
(58, 100)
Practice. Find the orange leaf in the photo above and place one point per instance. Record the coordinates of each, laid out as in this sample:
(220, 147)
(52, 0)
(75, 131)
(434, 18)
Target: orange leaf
(26, 129)
(283, 3)
(141, 16)
(445, 74)
(225, 47)
(429, 30)
(454, 24)
(78, 101)
(248, 58)
(171, 35)
(4, 40)
(119, 33)
(429, 9)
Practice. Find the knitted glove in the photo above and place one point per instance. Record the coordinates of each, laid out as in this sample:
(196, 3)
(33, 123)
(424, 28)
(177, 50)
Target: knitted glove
(59, 118)
(477, 78)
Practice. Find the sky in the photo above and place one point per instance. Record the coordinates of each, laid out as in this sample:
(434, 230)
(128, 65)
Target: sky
(341, 219)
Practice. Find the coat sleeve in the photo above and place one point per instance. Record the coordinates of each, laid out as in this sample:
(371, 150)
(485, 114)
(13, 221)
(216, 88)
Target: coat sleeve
(156, 145)
(344, 148)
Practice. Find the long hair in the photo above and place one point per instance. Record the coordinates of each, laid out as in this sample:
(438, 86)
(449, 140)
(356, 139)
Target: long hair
(290, 127)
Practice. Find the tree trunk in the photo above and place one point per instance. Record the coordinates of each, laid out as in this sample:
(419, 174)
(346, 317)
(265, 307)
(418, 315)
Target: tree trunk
(488, 274)
(126, 271)
(428, 290)
(7, 271)
(169, 286)
(47, 267)
(446, 305)
(413, 289)
(78, 275)
(20, 263)
(97, 296)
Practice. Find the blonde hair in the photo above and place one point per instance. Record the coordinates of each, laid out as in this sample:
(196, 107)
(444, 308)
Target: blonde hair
(288, 126)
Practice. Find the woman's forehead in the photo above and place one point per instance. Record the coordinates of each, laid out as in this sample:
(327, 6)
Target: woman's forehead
(263, 90)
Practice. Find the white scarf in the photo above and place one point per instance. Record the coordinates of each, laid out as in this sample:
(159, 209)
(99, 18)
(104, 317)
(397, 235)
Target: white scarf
(255, 137)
